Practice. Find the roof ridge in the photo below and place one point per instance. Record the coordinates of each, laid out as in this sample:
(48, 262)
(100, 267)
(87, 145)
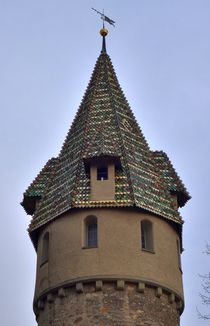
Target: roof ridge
(118, 124)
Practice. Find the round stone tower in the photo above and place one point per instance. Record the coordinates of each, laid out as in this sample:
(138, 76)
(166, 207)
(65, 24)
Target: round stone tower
(105, 221)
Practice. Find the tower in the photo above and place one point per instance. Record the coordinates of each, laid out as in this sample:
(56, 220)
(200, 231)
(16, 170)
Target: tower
(105, 221)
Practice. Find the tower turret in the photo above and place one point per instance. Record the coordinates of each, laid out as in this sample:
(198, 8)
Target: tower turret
(105, 221)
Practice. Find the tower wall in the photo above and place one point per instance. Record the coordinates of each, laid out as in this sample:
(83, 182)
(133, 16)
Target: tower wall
(116, 276)
(109, 306)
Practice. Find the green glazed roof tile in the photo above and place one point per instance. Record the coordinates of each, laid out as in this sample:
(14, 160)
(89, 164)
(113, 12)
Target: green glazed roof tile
(105, 126)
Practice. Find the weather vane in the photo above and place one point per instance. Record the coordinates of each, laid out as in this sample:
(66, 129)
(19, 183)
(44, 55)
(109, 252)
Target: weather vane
(105, 18)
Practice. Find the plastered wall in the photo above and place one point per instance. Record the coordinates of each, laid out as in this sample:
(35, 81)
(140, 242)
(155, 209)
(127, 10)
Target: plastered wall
(118, 255)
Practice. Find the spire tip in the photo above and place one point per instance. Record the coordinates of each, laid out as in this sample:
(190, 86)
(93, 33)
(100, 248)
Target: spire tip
(103, 33)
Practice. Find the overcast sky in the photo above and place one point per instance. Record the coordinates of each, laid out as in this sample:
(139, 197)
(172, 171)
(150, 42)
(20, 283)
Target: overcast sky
(161, 53)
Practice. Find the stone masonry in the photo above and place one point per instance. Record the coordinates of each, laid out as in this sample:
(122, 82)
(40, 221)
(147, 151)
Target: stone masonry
(111, 305)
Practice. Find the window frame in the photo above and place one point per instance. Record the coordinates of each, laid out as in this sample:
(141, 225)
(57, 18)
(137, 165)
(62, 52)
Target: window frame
(147, 236)
(179, 254)
(88, 222)
(45, 249)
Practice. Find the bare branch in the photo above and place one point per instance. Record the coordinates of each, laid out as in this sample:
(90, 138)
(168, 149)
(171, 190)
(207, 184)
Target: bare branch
(202, 316)
(205, 296)
(207, 251)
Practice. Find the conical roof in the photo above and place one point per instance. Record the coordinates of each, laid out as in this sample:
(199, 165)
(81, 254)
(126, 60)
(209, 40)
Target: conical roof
(105, 126)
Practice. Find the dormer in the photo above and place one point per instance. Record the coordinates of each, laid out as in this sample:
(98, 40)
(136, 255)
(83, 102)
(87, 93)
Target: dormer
(102, 180)
(102, 177)
(34, 193)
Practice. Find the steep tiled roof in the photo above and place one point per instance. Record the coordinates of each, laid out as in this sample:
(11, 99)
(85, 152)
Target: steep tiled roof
(37, 187)
(175, 184)
(105, 126)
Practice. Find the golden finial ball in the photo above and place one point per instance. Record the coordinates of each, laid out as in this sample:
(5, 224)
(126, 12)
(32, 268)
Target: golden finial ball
(104, 32)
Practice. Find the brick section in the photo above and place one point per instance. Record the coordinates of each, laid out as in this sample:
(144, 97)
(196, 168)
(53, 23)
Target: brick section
(110, 308)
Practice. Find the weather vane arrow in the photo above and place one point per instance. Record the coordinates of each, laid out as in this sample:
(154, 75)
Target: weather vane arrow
(105, 18)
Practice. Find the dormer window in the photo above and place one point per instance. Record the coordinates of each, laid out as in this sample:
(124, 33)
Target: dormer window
(102, 173)
(102, 179)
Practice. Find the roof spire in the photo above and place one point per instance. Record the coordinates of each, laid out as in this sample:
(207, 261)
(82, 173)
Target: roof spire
(103, 33)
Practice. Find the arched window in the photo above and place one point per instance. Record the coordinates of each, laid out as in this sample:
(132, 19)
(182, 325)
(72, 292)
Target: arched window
(147, 235)
(91, 232)
(45, 249)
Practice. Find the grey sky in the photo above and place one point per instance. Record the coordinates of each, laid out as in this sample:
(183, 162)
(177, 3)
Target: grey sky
(160, 50)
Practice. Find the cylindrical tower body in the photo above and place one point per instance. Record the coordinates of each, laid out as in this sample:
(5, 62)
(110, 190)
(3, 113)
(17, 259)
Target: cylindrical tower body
(115, 281)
